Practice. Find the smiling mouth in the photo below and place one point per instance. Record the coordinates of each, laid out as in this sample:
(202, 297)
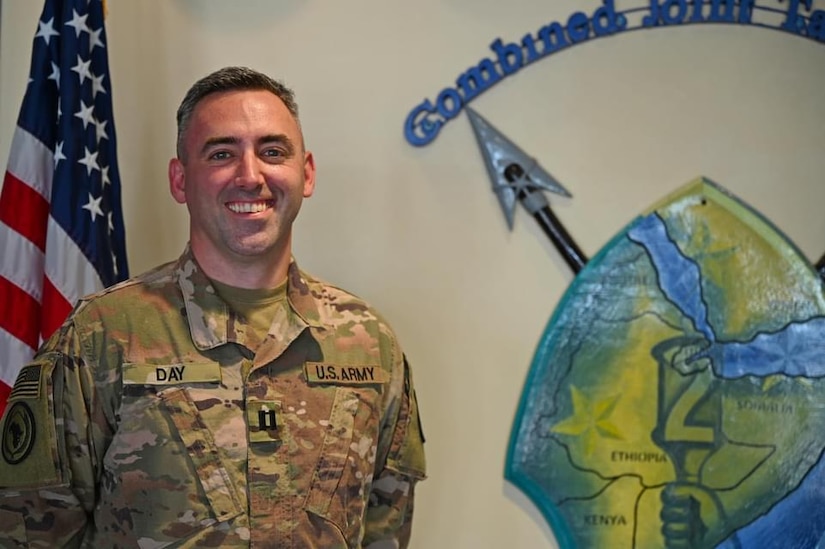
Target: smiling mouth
(249, 207)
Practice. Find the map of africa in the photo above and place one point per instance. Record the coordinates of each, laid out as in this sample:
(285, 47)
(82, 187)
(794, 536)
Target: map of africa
(677, 397)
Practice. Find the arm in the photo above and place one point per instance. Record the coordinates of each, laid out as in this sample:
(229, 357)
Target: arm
(47, 487)
(390, 508)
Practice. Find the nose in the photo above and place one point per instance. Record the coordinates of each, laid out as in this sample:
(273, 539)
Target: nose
(249, 172)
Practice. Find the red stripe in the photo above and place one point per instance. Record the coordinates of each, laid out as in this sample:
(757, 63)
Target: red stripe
(55, 309)
(20, 315)
(5, 390)
(24, 210)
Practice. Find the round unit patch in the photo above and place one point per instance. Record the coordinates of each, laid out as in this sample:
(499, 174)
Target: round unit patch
(18, 433)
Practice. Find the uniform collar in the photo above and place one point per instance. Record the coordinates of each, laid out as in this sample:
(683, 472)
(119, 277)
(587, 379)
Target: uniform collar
(211, 320)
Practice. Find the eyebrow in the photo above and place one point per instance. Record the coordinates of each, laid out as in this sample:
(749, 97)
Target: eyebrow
(278, 138)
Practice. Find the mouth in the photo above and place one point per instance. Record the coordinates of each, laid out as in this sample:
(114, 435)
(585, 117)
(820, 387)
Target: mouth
(250, 207)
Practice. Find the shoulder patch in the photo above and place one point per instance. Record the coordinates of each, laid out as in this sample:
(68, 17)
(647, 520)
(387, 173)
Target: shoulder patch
(19, 433)
(30, 453)
(27, 384)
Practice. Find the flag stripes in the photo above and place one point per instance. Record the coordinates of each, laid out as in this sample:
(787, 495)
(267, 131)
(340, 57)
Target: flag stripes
(61, 226)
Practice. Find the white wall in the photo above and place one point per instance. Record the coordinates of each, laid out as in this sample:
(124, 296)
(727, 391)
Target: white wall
(620, 121)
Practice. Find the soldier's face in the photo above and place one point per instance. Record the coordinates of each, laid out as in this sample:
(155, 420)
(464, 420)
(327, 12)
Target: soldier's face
(243, 175)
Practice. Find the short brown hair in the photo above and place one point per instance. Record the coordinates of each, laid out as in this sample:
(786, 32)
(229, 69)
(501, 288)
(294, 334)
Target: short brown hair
(229, 79)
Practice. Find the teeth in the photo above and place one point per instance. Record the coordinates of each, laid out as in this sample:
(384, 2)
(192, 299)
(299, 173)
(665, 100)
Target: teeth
(247, 207)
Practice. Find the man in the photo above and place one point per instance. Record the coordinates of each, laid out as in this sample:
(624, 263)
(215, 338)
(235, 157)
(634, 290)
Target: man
(227, 399)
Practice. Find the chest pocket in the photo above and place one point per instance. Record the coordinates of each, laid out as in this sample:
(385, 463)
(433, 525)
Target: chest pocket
(203, 453)
(340, 482)
(163, 472)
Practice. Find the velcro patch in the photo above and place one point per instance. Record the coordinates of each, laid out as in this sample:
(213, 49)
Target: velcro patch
(27, 384)
(337, 374)
(29, 451)
(19, 433)
(263, 419)
(171, 374)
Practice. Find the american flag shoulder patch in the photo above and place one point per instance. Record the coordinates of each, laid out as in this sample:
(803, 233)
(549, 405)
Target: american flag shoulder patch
(27, 384)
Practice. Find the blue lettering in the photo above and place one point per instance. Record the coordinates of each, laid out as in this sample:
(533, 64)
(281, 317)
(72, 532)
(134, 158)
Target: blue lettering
(504, 55)
(793, 22)
(419, 128)
(449, 103)
(606, 20)
(662, 14)
(553, 37)
(816, 28)
(477, 79)
(529, 43)
(424, 122)
(697, 12)
(717, 15)
(681, 10)
(746, 11)
(578, 27)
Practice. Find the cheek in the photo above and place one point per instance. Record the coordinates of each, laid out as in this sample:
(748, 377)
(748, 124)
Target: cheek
(205, 188)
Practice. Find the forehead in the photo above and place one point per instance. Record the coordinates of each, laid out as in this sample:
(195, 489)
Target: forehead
(230, 113)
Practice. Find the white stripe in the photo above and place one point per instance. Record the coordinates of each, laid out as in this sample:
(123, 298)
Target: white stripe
(67, 267)
(13, 355)
(31, 162)
(22, 262)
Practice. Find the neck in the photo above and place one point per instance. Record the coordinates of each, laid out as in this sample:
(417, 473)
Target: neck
(253, 273)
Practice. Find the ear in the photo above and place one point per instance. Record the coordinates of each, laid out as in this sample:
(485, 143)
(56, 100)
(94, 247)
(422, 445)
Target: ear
(177, 181)
(309, 174)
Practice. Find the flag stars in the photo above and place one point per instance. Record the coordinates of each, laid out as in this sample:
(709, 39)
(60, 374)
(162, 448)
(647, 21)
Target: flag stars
(83, 69)
(94, 39)
(78, 22)
(85, 114)
(55, 75)
(97, 85)
(104, 177)
(94, 206)
(70, 70)
(45, 30)
(89, 160)
(58, 154)
(100, 130)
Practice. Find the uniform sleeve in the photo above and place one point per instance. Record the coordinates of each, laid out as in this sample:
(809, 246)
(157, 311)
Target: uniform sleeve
(47, 488)
(390, 508)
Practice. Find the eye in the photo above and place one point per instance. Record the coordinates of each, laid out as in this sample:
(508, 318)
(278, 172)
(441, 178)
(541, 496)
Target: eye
(273, 153)
(219, 155)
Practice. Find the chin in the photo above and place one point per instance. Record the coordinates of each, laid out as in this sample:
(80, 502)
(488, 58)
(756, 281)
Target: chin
(252, 249)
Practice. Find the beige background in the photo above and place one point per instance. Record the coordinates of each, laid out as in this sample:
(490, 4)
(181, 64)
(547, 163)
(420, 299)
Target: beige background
(620, 121)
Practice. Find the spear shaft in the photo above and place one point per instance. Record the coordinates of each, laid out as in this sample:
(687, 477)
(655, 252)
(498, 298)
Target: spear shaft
(537, 205)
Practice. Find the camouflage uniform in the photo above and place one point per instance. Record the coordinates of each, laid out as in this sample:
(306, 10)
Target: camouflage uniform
(145, 421)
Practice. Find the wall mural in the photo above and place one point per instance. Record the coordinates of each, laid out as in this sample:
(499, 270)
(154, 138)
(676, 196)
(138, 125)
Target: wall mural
(677, 395)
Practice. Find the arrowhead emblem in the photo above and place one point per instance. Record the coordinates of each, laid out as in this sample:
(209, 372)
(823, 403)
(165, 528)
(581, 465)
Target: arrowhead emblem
(499, 154)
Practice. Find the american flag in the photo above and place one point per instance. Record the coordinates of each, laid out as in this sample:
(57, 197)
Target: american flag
(61, 224)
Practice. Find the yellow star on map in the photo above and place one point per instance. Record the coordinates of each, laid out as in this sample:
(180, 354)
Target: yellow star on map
(590, 420)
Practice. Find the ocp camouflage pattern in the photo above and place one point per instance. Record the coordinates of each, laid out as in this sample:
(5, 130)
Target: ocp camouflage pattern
(156, 426)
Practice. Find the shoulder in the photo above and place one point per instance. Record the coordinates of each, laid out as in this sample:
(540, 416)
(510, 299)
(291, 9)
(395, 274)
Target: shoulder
(346, 314)
(161, 280)
(337, 302)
